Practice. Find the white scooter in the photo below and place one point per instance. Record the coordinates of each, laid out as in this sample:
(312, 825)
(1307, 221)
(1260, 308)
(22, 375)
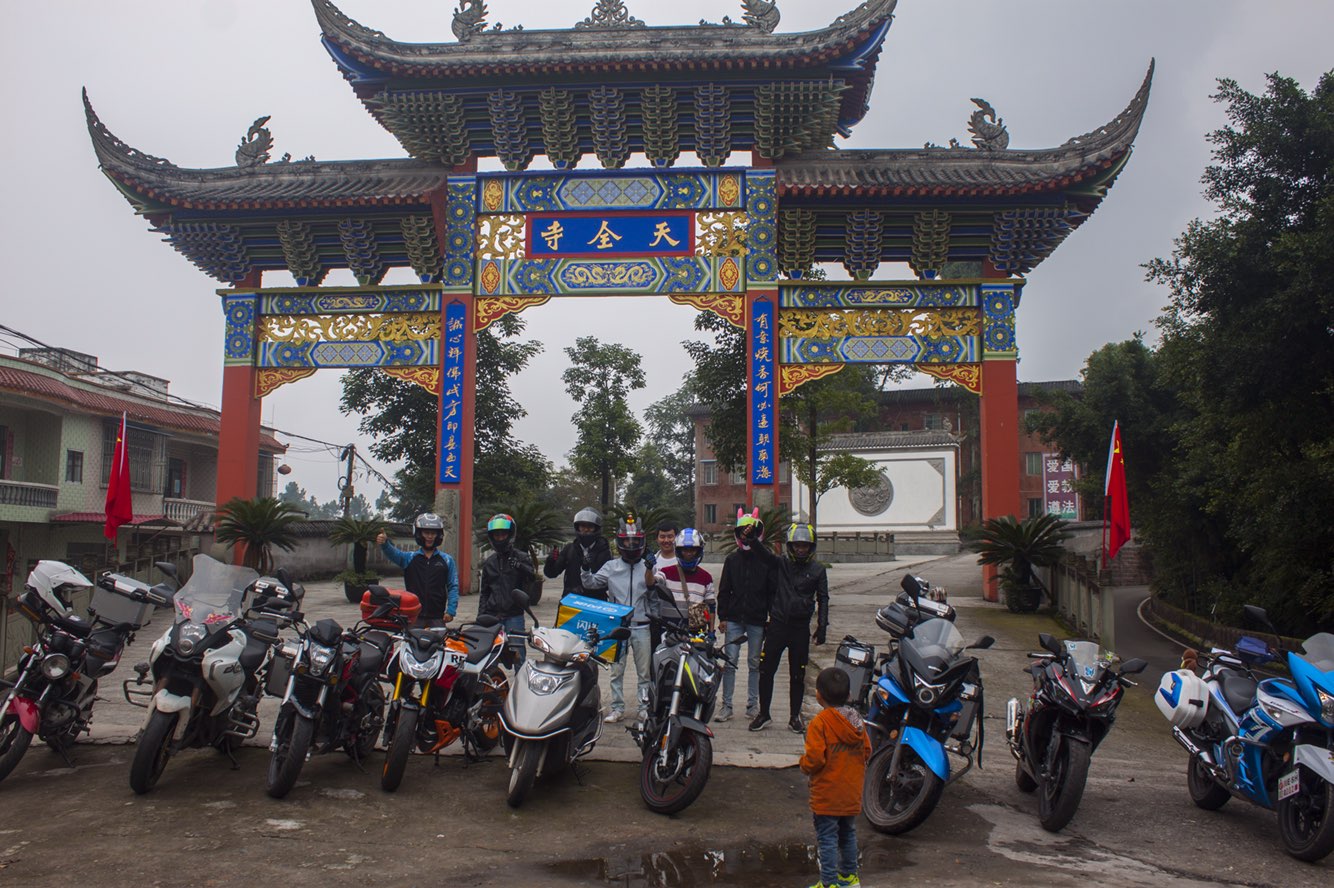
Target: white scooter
(553, 714)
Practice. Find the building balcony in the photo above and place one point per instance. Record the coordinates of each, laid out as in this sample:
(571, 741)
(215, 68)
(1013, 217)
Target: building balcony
(184, 511)
(21, 493)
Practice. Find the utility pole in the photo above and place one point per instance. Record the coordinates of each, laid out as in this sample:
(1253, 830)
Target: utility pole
(346, 491)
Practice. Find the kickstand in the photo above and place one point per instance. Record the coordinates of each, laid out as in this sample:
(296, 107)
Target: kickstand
(236, 766)
(64, 754)
(437, 759)
(576, 768)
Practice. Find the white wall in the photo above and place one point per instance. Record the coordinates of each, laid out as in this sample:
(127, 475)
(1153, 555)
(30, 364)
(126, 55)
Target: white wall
(924, 486)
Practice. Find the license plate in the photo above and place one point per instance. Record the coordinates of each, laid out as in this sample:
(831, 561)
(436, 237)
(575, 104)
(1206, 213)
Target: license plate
(1289, 784)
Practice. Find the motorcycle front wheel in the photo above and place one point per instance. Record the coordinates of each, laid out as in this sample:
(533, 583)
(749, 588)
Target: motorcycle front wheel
(673, 788)
(1306, 820)
(400, 745)
(1021, 778)
(293, 736)
(527, 756)
(150, 756)
(903, 804)
(14, 740)
(1061, 788)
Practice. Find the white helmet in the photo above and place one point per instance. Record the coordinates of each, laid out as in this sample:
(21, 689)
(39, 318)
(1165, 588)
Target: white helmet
(53, 581)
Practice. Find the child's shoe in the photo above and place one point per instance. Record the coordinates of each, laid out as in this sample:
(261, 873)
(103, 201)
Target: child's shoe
(848, 881)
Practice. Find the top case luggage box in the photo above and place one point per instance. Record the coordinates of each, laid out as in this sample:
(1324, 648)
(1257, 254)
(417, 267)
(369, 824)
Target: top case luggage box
(579, 614)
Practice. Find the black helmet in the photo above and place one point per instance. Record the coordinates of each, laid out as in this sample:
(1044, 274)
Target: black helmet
(428, 521)
(630, 540)
(587, 516)
(801, 533)
(497, 523)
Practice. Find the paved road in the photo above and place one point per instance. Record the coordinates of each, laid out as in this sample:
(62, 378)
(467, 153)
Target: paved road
(208, 824)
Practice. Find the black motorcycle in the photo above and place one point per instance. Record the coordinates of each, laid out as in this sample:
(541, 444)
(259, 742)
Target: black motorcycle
(926, 703)
(328, 679)
(1075, 696)
(53, 693)
(675, 739)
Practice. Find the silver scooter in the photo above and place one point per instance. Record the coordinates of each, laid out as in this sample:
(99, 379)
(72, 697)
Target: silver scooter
(553, 714)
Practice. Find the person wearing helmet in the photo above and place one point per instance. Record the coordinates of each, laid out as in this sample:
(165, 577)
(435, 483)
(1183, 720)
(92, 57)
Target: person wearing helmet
(428, 573)
(506, 569)
(589, 549)
(630, 581)
(690, 584)
(803, 586)
(745, 590)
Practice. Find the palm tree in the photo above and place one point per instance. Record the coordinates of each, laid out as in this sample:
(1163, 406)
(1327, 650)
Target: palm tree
(1021, 546)
(258, 525)
(357, 533)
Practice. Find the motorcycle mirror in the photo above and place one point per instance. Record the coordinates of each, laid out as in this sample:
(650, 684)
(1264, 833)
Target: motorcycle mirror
(281, 576)
(1133, 667)
(379, 595)
(620, 633)
(298, 592)
(521, 598)
(665, 594)
(487, 621)
(983, 643)
(912, 586)
(1258, 615)
(167, 568)
(382, 610)
(1049, 643)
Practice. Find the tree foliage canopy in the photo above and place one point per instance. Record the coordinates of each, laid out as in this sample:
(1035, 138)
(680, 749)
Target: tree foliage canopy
(599, 379)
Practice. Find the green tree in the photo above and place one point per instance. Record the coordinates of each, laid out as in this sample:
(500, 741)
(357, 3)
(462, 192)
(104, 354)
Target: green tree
(402, 418)
(296, 496)
(653, 483)
(600, 378)
(719, 381)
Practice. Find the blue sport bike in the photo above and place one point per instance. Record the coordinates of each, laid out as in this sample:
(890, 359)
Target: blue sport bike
(1269, 741)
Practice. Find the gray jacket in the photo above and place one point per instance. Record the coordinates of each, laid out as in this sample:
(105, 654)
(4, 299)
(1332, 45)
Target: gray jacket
(625, 585)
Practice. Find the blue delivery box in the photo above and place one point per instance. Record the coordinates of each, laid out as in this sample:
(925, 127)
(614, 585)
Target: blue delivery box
(578, 614)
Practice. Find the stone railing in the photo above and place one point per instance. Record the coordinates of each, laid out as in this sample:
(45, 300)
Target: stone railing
(1079, 598)
(184, 510)
(21, 493)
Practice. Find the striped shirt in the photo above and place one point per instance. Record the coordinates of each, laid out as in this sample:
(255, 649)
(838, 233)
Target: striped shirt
(696, 589)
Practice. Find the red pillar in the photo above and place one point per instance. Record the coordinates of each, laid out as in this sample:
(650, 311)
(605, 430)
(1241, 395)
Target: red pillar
(999, 419)
(238, 437)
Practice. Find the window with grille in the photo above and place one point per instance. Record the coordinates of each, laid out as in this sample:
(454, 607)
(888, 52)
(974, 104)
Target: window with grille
(4, 451)
(708, 472)
(145, 449)
(74, 466)
(1034, 507)
(175, 479)
(710, 513)
(1032, 463)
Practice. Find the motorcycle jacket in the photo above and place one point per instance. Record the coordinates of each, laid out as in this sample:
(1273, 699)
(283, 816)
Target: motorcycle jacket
(747, 586)
(802, 588)
(501, 575)
(575, 557)
(432, 578)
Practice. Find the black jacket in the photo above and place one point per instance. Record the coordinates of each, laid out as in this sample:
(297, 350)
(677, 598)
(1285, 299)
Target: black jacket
(501, 575)
(747, 586)
(801, 589)
(572, 559)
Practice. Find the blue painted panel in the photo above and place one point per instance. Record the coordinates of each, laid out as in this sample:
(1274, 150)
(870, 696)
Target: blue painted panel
(451, 397)
(590, 236)
(763, 393)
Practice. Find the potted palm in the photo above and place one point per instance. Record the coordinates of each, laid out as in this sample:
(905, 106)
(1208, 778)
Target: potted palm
(359, 534)
(258, 525)
(1018, 547)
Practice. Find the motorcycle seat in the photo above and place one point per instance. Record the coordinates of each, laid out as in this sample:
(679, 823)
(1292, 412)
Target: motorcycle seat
(74, 624)
(480, 640)
(104, 648)
(1239, 692)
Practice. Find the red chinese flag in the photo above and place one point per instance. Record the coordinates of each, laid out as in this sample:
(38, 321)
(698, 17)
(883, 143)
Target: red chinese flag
(1116, 506)
(120, 502)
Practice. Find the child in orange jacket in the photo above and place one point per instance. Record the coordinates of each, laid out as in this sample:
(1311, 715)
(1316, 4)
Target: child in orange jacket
(835, 759)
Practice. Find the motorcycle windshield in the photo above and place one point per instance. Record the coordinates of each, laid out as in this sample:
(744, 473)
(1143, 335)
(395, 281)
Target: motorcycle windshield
(1087, 659)
(938, 632)
(1318, 650)
(214, 592)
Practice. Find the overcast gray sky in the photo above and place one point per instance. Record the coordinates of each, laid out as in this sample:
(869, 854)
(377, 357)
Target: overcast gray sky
(183, 79)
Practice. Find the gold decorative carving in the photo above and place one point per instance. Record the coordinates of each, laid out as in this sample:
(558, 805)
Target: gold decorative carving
(490, 309)
(793, 376)
(729, 307)
(501, 237)
(490, 277)
(268, 379)
(721, 234)
(608, 274)
(729, 190)
(967, 376)
(729, 274)
(396, 327)
(493, 195)
(426, 377)
(936, 323)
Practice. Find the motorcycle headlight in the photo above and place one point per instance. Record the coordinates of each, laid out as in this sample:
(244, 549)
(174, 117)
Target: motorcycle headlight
(1326, 706)
(927, 694)
(321, 658)
(425, 669)
(189, 637)
(55, 666)
(544, 683)
(539, 643)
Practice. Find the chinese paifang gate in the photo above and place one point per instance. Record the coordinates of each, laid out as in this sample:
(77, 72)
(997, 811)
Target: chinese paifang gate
(730, 238)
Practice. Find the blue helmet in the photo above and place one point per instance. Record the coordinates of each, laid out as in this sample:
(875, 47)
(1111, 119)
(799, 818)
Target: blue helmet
(689, 539)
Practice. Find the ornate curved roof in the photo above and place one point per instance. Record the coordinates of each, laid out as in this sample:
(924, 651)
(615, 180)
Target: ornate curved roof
(968, 171)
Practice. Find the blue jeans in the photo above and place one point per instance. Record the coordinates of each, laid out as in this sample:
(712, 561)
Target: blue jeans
(753, 635)
(519, 651)
(641, 647)
(836, 838)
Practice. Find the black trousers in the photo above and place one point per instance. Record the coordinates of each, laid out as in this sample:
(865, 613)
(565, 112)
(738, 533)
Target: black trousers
(795, 638)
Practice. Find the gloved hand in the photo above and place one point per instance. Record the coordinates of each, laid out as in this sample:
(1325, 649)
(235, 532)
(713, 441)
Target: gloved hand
(819, 636)
(555, 553)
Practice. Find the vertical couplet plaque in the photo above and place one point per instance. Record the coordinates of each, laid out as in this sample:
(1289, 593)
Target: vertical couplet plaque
(763, 394)
(451, 397)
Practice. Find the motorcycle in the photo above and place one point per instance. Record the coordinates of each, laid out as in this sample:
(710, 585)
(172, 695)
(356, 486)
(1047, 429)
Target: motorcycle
(926, 702)
(328, 679)
(553, 714)
(675, 738)
(1073, 705)
(448, 686)
(204, 684)
(53, 693)
(1269, 741)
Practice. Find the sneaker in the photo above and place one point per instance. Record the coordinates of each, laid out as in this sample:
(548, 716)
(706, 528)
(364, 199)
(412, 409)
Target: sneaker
(848, 881)
(761, 722)
(614, 716)
(796, 725)
(752, 710)
(824, 885)
(724, 714)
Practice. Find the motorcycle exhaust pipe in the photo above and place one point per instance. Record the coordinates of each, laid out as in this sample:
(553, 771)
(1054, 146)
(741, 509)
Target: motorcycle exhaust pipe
(1195, 751)
(1012, 721)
